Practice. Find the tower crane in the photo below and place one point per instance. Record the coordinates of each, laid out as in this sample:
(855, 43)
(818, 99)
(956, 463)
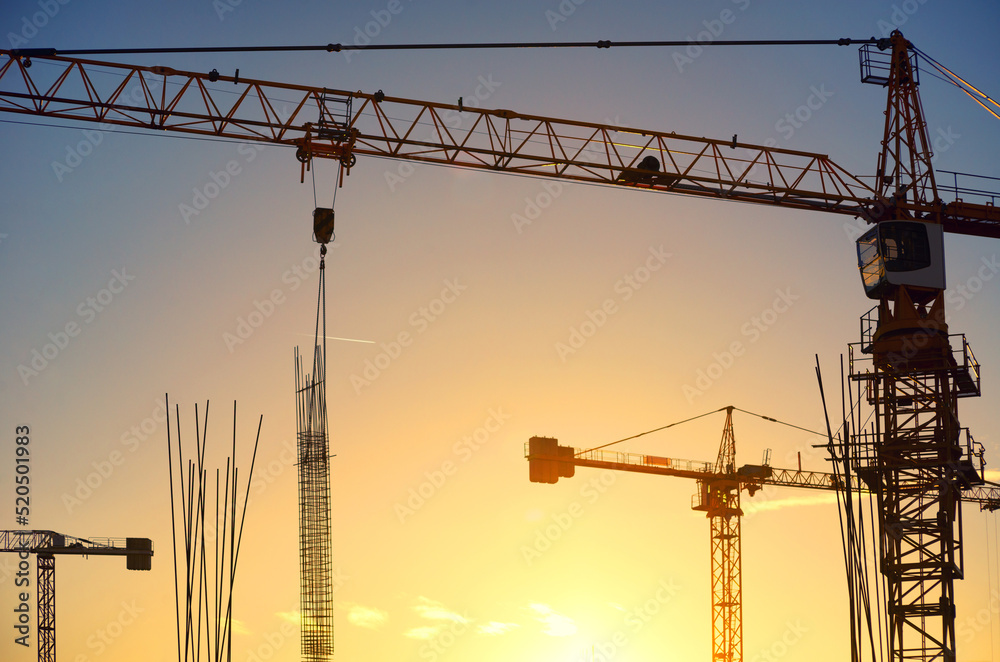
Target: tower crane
(912, 375)
(46, 545)
(720, 484)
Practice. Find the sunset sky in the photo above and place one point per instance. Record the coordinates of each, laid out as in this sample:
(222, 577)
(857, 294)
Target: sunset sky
(443, 549)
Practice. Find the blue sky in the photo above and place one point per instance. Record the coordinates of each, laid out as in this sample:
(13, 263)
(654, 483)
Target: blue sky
(451, 580)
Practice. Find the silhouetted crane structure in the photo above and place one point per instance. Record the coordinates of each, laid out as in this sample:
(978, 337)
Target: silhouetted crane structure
(46, 545)
(915, 377)
(720, 484)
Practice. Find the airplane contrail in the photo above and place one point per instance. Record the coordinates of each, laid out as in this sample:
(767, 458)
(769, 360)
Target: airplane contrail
(309, 335)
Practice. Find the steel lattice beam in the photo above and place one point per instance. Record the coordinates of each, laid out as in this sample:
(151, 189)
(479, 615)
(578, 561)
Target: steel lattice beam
(309, 119)
(722, 505)
(46, 608)
(920, 513)
(727, 591)
(904, 170)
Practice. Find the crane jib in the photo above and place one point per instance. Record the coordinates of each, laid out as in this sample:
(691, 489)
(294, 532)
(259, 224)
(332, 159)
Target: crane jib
(320, 123)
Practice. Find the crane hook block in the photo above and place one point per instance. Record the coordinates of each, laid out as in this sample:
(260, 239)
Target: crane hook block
(322, 225)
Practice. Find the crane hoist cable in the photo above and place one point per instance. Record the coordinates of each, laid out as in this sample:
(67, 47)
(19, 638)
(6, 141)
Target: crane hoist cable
(323, 233)
(314, 473)
(320, 314)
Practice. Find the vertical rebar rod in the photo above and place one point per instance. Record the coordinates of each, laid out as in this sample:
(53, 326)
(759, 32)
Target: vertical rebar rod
(314, 510)
(215, 573)
(232, 527)
(173, 526)
(226, 516)
(235, 552)
(209, 574)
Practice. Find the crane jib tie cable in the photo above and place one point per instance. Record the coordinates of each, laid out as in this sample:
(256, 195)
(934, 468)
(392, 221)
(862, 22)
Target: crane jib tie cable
(694, 418)
(337, 48)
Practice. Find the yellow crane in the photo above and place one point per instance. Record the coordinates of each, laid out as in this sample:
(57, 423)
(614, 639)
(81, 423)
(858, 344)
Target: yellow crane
(720, 484)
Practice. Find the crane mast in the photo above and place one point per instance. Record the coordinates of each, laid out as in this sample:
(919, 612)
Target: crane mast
(718, 496)
(912, 460)
(46, 545)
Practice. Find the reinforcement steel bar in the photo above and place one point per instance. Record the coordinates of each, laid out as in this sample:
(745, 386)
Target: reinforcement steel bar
(315, 561)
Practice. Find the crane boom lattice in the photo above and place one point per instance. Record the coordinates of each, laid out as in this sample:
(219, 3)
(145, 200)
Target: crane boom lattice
(339, 124)
(46, 545)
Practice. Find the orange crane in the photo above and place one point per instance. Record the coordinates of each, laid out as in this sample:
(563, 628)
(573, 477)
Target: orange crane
(46, 545)
(719, 486)
(335, 124)
(914, 377)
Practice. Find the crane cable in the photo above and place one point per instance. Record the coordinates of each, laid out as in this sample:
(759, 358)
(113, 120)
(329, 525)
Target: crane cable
(318, 362)
(664, 427)
(694, 418)
(960, 83)
(774, 420)
(321, 294)
(337, 48)
(322, 238)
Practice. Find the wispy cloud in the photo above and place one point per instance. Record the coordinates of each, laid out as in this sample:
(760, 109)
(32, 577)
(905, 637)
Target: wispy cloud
(441, 617)
(556, 625)
(434, 610)
(791, 502)
(366, 617)
(239, 627)
(290, 616)
(423, 632)
(494, 628)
